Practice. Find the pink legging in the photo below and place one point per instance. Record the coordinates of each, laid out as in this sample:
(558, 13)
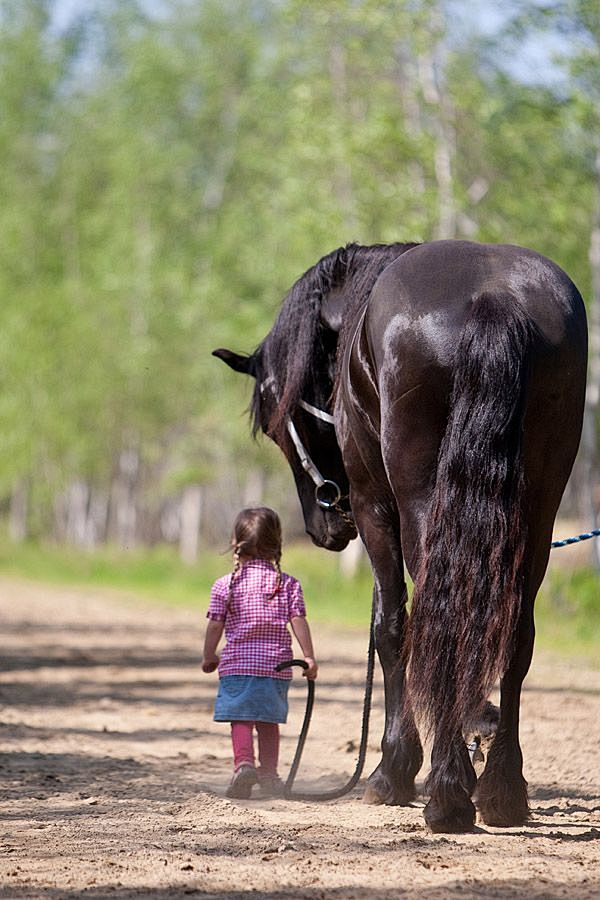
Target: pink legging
(268, 745)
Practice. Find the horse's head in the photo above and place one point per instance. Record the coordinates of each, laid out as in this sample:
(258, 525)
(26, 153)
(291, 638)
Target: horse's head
(305, 432)
(295, 371)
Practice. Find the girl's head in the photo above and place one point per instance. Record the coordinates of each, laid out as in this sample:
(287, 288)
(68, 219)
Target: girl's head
(257, 535)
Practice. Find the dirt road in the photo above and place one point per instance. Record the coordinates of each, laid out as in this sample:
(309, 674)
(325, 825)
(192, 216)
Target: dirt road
(113, 774)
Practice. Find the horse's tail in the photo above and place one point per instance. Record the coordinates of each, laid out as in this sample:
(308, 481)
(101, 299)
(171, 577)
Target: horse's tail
(467, 594)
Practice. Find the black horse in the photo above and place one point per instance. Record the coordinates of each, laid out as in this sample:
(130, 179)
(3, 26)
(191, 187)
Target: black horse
(432, 394)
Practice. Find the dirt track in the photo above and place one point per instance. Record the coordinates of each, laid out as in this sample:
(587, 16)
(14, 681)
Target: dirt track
(113, 775)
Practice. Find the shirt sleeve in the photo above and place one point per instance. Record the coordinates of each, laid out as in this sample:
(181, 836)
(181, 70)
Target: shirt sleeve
(296, 599)
(217, 609)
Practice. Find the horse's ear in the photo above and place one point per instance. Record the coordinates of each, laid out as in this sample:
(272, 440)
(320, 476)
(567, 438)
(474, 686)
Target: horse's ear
(244, 364)
(332, 309)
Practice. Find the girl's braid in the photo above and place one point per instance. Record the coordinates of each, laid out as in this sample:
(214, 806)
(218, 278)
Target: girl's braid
(236, 568)
(278, 582)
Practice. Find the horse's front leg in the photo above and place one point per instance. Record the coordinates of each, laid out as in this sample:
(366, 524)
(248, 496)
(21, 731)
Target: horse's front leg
(393, 781)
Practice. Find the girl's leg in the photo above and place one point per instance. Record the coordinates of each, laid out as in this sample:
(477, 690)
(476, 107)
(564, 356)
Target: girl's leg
(243, 744)
(244, 775)
(268, 748)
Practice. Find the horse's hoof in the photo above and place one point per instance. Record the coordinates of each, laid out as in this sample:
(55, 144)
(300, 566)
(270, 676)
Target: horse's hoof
(497, 819)
(459, 821)
(379, 791)
(504, 806)
(373, 796)
(509, 815)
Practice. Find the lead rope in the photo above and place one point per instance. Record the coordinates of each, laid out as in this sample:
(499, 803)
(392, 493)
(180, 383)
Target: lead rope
(362, 752)
(595, 532)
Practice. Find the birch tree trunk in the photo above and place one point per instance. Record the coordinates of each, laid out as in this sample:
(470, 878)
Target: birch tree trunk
(123, 512)
(97, 520)
(190, 519)
(17, 517)
(430, 68)
(77, 503)
(342, 174)
(254, 488)
(407, 84)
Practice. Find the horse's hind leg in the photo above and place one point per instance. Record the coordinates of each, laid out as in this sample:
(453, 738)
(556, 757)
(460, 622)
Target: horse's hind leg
(450, 785)
(501, 794)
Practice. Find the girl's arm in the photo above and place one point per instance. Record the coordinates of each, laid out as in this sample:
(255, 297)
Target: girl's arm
(302, 632)
(214, 630)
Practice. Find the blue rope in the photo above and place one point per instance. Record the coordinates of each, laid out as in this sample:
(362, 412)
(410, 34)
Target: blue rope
(575, 540)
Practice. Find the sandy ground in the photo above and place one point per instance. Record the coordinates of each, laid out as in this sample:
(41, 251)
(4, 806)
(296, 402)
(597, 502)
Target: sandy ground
(113, 774)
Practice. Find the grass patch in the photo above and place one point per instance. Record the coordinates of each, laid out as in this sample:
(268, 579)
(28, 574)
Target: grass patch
(568, 614)
(567, 609)
(158, 575)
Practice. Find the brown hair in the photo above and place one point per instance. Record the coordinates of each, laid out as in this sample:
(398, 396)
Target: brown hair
(256, 535)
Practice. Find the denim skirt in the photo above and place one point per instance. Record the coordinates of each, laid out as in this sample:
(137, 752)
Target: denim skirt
(252, 698)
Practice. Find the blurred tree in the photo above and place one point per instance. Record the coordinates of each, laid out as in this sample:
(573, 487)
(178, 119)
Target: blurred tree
(31, 76)
(169, 171)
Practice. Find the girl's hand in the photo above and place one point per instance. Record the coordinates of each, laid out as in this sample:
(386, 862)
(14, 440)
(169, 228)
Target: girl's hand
(312, 670)
(210, 663)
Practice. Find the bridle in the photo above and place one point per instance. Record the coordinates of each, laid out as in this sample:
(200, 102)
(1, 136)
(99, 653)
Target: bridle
(328, 494)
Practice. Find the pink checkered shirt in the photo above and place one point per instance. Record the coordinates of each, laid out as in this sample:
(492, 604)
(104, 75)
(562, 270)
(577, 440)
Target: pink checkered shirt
(256, 627)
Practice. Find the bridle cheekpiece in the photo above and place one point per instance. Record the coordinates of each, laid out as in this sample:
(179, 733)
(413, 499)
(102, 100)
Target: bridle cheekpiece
(328, 493)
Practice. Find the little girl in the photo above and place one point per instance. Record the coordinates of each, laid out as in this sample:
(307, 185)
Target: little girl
(253, 605)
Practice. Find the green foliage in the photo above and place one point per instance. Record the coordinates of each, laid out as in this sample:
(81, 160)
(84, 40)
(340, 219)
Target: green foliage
(166, 178)
(159, 576)
(568, 613)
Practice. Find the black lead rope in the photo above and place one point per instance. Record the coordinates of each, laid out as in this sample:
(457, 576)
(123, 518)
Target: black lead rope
(334, 794)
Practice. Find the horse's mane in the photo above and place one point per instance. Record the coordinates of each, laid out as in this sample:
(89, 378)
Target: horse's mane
(297, 349)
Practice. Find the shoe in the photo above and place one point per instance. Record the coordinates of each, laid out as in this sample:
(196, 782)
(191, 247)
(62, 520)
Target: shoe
(242, 783)
(271, 786)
